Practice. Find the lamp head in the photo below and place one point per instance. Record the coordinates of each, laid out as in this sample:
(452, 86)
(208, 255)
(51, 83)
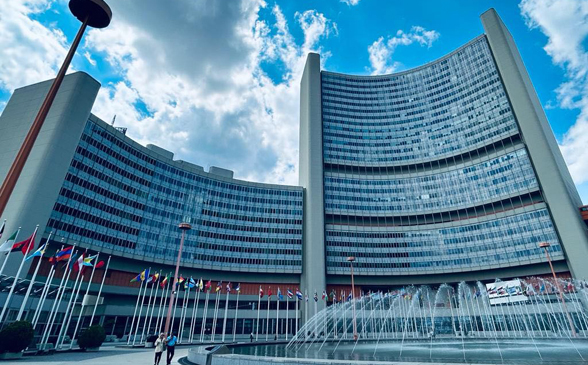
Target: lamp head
(351, 258)
(185, 226)
(544, 245)
(97, 12)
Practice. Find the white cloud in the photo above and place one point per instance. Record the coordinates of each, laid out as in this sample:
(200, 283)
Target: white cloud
(199, 77)
(350, 2)
(29, 52)
(382, 50)
(565, 23)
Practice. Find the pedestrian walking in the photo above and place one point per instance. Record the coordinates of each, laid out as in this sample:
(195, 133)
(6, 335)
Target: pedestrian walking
(171, 347)
(159, 347)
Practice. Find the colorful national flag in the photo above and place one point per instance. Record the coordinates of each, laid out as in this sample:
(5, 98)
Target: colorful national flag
(315, 296)
(40, 252)
(260, 292)
(139, 277)
(349, 296)
(298, 294)
(238, 288)
(26, 245)
(219, 286)
(64, 254)
(289, 293)
(269, 293)
(208, 285)
(324, 297)
(201, 284)
(145, 275)
(155, 278)
(9, 243)
(229, 287)
(163, 282)
(280, 296)
(88, 260)
(76, 265)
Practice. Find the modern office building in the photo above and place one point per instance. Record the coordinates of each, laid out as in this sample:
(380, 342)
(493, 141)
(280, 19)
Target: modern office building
(444, 173)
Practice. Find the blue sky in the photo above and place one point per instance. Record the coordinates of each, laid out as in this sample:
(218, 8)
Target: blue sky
(217, 81)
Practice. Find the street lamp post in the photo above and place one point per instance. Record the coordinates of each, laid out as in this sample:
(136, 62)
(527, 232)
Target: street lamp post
(351, 259)
(93, 13)
(184, 227)
(545, 246)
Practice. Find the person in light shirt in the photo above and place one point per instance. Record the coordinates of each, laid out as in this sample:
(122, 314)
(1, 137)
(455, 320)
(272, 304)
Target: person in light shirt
(159, 347)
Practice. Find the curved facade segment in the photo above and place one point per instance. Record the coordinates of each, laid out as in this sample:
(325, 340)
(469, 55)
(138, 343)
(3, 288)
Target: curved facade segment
(121, 197)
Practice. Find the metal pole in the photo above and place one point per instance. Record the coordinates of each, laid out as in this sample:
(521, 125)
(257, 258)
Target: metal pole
(184, 227)
(29, 141)
(559, 290)
(351, 259)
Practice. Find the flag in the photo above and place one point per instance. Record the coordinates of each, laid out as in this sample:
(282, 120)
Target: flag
(324, 295)
(7, 245)
(88, 260)
(280, 296)
(349, 296)
(139, 277)
(289, 293)
(269, 293)
(260, 292)
(40, 252)
(155, 278)
(229, 287)
(64, 254)
(219, 286)
(191, 283)
(298, 294)
(238, 288)
(76, 265)
(201, 284)
(208, 285)
(163, 282)
(315, 296)
(181, 280)
(26, 245)
(145, 274)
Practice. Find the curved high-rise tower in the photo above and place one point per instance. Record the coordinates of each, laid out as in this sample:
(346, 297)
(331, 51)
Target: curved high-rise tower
(442, 173)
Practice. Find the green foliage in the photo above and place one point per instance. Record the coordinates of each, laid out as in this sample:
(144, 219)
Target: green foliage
(92, 337)
(16, 337)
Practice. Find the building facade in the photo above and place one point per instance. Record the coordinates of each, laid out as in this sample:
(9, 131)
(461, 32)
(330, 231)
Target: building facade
(444, 173)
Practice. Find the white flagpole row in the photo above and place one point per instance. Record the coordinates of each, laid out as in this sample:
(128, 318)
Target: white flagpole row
(177, 299)
(162, 304)
(225, 317)
(194, 312)
(99, 292)
(67, 308)
(277, 316)
(83, 303)
(154, 302)
(32, 282)
(141, 307)
(9, 252)
(135, 313)
(57, 300)
(287, 311)
(203, 327)
(183, 313)
(215, 315)
(236, 310)
(267, 317)
(7, 301)
(296, 329)
(258, 303)
(70, 314)
(44, 294)
(147, 311)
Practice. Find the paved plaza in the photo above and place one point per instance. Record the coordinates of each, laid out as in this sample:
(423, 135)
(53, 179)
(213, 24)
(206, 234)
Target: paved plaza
(106, 356)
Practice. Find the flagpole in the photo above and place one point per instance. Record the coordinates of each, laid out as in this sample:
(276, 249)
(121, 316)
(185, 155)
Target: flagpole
(26, 297)
(277, 314)
(46, 288)
(194, 312)
(67, 308)
(296, 329)
(305, 307)
(203, 326)
(134, 312)
(215, 315)
(182, 323)
(236, 310)
(162, 304)
(258, 303)
(85, 295)
(99, 292)
(58, 296)
(225, 317)
(175, 304)
(148, 305)
(315, 310)
(154, 302)
(7, 301)
(145, 278)
(287, 311)
(70, 314)
(267, 316)
(10, 251)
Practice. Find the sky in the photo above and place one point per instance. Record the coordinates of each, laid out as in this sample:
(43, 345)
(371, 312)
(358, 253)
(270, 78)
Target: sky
(217, 81)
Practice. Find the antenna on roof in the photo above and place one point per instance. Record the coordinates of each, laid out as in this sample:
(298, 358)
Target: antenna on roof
(113, 119)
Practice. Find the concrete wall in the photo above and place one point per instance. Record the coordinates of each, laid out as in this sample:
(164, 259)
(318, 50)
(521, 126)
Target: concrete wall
(43, 174)
(554, 178)
(311, 179)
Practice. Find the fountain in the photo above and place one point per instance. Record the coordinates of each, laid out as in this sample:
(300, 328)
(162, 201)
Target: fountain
(515, 321)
